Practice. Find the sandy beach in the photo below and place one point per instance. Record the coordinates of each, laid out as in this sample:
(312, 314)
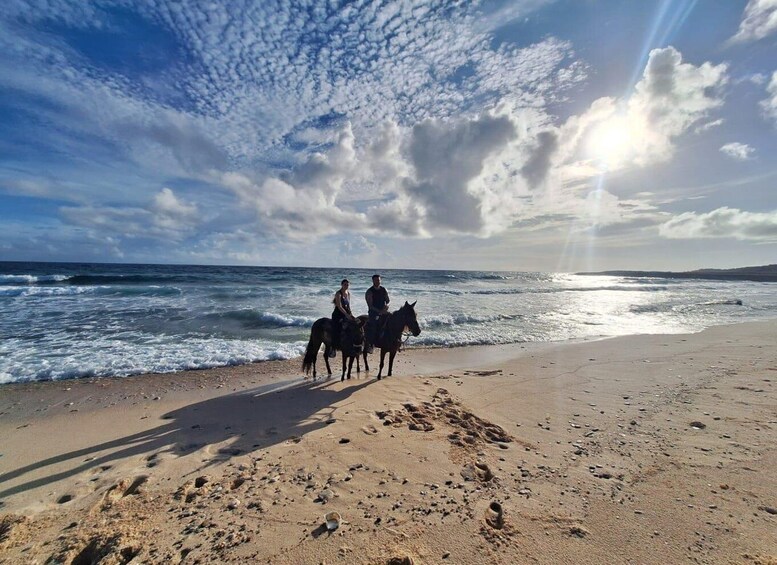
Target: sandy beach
(641, 449)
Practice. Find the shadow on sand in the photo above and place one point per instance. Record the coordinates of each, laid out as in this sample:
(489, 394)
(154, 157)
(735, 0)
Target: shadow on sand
(248, 420)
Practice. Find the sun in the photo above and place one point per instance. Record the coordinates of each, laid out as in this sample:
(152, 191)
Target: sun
(611, 142)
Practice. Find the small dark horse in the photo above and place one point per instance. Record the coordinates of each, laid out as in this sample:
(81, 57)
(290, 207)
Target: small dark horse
(390, 337)
(351, 344)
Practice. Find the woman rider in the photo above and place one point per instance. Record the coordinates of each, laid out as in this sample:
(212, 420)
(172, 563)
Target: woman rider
(342, 312)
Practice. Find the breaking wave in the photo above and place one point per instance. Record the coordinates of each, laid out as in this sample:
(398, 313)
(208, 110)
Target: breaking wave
(32, 279)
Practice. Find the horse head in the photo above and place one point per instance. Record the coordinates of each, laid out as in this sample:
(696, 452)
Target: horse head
(352, 339)
(411, 322)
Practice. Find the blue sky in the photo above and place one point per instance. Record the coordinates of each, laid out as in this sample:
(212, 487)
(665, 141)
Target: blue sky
(525, 135)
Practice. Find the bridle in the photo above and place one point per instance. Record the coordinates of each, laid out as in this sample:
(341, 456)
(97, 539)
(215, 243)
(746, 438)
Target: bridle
(405, 334)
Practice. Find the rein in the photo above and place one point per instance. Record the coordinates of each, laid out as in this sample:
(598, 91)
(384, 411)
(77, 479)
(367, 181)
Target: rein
(406, 334)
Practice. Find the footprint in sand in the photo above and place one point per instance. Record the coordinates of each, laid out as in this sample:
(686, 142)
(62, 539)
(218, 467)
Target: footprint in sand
(221, 454)
(123, 489)
(11, 525)
(237, 483)
(192, 489)
(100, 469)
(401, 560)
(478, 471)
(370, 430)
(105, 548)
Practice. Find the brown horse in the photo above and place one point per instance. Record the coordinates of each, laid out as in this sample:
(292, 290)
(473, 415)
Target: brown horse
(351, 344)
(389, 338)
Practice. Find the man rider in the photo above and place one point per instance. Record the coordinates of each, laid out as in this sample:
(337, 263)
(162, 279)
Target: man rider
(377, 304)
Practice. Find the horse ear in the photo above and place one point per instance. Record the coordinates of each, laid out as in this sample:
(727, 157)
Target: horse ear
(406, 304)
(413, 304)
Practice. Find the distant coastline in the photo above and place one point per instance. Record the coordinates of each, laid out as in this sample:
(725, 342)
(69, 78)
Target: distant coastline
(762, 273)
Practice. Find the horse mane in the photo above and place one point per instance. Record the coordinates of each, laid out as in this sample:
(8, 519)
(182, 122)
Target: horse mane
(395, 325)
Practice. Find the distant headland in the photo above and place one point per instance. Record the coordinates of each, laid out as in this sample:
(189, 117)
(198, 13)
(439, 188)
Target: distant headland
(762, 273)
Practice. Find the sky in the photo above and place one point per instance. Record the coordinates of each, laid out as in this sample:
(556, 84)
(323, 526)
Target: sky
(528, 135)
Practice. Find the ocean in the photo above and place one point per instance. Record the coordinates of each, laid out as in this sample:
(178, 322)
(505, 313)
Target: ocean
(67, 320)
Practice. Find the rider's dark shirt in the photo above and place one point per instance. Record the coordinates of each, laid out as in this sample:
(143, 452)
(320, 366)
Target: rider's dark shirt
(380, 297)
(337, 314)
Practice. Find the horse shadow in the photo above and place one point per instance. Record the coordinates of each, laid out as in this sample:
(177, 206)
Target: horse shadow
(223, 427)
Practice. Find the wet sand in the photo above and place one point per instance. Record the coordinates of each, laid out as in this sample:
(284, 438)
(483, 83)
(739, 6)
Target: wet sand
(642, 449)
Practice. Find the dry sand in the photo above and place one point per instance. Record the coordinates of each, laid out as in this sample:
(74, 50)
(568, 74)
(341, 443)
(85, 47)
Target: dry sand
(643, 449)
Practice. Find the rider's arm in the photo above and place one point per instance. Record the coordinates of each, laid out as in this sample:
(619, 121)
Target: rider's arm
(385, 307)
(339, 304)
(368, 298)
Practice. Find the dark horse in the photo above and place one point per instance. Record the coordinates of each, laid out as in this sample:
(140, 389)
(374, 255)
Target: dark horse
(351, 344)
(393, 325)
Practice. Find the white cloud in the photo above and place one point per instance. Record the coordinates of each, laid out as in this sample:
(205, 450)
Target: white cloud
(171, 213)
(670, 97)
(26, 186)
(701, 128)
(757, 79)
(561, 164)
(738, 151)
(166, 218)
(302, 205)
(642, 128)
(770, 104)
(759, 20)
(722, 222)
(357, 246)
(269, 71)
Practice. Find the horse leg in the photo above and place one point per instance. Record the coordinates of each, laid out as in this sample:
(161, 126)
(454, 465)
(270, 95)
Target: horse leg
(358, 369)
(366, 365)
(342, 377)
(391, 360)
(326, 360)
(382, 356)
(350, 366)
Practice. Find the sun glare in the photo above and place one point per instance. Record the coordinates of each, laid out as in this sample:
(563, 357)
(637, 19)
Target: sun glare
(611, 141)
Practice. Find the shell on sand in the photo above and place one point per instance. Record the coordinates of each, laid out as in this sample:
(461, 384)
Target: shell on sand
(332, 521)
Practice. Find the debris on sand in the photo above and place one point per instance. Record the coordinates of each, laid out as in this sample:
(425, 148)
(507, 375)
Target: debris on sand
(495, 516)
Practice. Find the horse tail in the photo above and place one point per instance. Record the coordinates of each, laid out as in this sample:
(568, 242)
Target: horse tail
(314, 344)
